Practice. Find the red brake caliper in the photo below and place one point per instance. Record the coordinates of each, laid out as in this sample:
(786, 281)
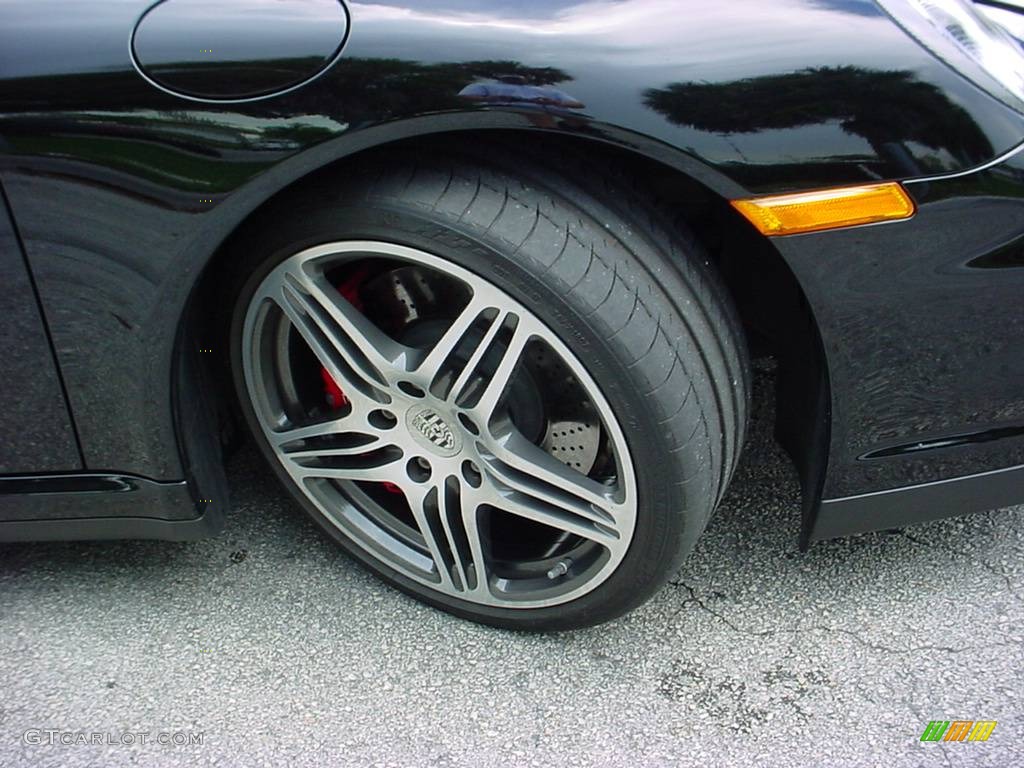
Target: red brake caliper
(334, 394)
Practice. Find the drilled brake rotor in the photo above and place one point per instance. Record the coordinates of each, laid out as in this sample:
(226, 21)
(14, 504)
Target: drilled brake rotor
(574, 443)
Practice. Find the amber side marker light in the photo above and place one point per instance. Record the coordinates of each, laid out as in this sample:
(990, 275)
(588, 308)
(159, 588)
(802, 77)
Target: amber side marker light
(826, 208)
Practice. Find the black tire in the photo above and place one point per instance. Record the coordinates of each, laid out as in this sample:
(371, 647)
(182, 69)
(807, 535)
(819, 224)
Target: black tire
(598, 260)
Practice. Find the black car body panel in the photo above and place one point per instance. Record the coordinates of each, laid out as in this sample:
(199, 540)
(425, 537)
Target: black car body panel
(923, 328)
(122, 193)
(36, 434)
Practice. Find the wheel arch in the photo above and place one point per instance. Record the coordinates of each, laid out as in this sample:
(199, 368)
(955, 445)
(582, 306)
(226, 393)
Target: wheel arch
(776, 316)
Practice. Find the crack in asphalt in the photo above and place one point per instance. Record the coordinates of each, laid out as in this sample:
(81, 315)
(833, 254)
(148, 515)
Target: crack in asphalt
(969, 556)
(694, 598)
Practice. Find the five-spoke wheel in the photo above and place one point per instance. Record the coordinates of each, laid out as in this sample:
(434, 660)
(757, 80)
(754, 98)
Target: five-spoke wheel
(439, 460)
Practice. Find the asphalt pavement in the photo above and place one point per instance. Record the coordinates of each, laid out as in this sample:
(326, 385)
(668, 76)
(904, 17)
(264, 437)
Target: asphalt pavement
(267, 647)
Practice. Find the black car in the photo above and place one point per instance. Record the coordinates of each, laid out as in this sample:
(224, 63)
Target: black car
(482, 280)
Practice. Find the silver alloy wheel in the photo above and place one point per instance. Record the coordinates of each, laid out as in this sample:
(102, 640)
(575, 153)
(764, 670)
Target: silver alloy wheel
(450, 446)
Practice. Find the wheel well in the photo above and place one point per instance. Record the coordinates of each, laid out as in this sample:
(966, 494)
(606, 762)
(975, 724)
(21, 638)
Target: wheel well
(776, 317)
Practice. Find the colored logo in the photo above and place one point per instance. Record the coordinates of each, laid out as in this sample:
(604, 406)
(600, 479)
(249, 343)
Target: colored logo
(958, 730)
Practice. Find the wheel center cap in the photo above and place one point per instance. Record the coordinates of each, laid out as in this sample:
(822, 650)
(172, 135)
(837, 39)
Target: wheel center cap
(430, 430)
